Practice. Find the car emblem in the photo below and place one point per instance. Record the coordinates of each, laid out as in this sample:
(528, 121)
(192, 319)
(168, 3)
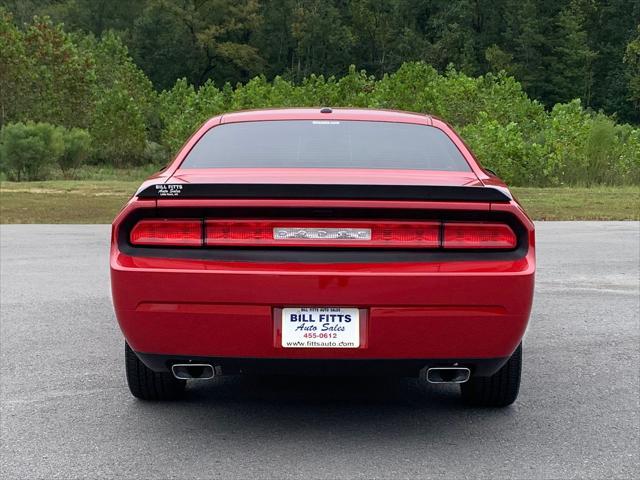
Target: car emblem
(297, 233)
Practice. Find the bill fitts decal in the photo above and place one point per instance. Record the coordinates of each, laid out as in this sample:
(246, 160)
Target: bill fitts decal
(164, 190)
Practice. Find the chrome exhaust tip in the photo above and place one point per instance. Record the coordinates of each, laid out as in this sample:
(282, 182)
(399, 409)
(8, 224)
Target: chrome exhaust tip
(192, 371)
(448, 375)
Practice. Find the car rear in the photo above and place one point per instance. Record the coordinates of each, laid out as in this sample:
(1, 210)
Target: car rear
(285, 243)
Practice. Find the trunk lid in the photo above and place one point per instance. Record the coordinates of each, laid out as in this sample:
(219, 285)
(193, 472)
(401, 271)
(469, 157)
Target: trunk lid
(323, 176)
(322, 184)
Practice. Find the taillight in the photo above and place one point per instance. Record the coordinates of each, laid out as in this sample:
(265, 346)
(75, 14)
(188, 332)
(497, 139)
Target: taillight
(478, 235)
(320, 233)
(323, 233)
(166, 232)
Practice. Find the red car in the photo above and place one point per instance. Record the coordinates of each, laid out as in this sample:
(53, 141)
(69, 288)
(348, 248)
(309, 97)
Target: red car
(324, 241)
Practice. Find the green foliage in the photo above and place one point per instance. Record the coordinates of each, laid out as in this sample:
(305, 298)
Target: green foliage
(60, 76)
(76, 149)
(29, 150)
(198, 40)
(118, 128)
(125, 115)
(13, 68)
(114, 69)
(76, 80)
(155, 154)
(502, 147)
(629, 160)
(632, 60)
(44, 75)
(322, 40)
(509, 132)
(182, 109)
(557, 49)
(570, 64)
(32, 151)
(586, 149)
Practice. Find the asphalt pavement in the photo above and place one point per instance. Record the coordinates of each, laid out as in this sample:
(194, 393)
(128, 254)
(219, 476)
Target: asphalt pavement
(66, 411)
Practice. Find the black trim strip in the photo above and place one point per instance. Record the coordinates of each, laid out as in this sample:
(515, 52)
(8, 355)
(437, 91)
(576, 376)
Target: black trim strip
(438, 193)
(316, 256)
(480, 367)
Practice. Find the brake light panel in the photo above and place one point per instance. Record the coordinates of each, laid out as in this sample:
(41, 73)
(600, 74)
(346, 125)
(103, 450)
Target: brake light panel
(466, 235)
(318, 233)
(323, 233)
(167, 232)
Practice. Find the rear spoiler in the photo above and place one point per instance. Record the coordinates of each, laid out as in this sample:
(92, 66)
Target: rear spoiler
(325, 192)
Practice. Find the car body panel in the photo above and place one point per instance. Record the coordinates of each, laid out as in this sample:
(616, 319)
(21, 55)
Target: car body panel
(330, 176)
(201, 308)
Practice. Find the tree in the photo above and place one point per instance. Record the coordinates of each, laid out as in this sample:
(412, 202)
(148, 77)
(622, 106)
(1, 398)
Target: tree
(570, 72)
(198, 39)
(632, 60)
(375, 29)
(96, 16)
(59, 87)
(498, 59)
(14, 68)
(558, 49)
(116, 69)
(323, 41)
(274, 38)
(44, 75)
(526, 37)
(610, 26)
(118, 128)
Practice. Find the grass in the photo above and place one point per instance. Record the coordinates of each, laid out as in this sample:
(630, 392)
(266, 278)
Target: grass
(63, 201)
(580, 203)
(98, 201)
(99, 173)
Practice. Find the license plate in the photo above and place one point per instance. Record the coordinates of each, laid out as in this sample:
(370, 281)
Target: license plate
(320, 327)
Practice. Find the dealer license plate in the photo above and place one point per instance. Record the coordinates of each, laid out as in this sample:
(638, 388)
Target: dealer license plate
(320, 327)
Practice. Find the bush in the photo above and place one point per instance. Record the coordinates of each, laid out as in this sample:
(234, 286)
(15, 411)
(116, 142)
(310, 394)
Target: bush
(155, 154)
(29, 150)
(628, 164)
(509, 132)
(587, 149)
(76, 149)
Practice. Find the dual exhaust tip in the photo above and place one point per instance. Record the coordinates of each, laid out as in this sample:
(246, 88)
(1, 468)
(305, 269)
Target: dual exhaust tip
(193, 371)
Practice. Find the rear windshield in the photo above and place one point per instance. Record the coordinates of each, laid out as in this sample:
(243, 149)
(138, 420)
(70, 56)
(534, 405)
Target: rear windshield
(326, 144)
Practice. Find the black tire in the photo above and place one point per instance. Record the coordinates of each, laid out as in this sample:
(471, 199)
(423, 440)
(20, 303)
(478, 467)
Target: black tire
(146, 384)
(500, 389)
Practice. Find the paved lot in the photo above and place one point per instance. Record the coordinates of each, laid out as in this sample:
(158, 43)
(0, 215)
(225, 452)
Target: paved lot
(66, 412)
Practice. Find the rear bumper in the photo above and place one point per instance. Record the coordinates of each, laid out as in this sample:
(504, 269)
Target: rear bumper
(481, 367)
(181, 309)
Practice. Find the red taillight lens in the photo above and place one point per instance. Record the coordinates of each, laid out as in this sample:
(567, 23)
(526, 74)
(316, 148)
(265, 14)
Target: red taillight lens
(323, 233)
(167, 232)
(407, 234)
(478, 235)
